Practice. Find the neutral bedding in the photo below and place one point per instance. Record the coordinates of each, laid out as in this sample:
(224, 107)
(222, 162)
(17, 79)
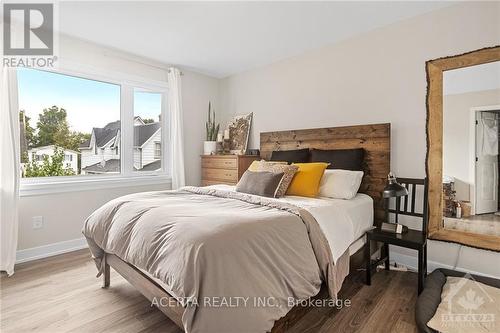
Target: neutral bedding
(343, 222)
(203, 243)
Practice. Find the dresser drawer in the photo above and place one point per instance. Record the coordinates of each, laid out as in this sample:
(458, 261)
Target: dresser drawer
(220, 174)
(206, 182)
(219, 163)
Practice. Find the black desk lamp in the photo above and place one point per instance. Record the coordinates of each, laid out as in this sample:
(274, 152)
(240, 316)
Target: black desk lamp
(393, 190)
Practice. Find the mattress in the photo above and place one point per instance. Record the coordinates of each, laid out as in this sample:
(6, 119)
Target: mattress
(343, 222)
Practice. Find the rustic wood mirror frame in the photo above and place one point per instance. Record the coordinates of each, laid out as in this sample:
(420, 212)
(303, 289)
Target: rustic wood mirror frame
(434, 159)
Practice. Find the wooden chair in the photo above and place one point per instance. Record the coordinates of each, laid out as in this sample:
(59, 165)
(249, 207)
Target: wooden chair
(412, 239)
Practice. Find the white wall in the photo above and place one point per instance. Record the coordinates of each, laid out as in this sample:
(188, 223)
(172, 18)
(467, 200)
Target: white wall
(373, 78)
(197, 90)
(65, 213)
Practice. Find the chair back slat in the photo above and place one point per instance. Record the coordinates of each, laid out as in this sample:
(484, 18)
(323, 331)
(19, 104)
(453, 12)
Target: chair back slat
(402, 207)
(406, 198)
(413, 196)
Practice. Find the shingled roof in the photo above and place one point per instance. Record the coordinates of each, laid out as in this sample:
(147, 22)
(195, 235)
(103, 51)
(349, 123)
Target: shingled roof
(103, 135)
(142, 133)
(104, 167)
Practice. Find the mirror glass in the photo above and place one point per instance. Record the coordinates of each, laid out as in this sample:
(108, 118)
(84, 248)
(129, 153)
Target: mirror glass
(471, 115)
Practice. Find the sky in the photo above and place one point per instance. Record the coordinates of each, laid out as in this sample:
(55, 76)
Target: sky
(88, 103)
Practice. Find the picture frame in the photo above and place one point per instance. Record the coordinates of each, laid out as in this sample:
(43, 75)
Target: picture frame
(239, 132)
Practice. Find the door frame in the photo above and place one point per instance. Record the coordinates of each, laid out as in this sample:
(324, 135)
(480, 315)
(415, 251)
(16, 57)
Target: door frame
(472, 150)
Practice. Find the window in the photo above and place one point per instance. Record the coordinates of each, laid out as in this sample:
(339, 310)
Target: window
(84, 126)
(62, 113)
(147, 130)
(157, 150)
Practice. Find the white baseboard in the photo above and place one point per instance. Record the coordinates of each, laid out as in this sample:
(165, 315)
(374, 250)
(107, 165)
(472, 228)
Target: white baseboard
(412, 263)
(50, 250)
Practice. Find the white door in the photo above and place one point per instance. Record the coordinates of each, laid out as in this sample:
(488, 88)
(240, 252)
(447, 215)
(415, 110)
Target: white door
(486, 162)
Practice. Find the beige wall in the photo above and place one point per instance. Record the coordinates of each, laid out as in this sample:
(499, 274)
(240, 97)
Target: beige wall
(197, 90)
(64, 213)
(457, 118)
(373, 78)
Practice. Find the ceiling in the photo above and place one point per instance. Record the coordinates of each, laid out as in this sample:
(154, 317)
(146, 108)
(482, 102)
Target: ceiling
(225, 38)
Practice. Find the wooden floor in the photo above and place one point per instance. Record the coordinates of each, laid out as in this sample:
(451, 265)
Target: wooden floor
(61, 294)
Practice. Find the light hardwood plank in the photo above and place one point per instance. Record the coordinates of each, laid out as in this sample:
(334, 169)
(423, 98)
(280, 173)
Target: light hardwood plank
(62, 294)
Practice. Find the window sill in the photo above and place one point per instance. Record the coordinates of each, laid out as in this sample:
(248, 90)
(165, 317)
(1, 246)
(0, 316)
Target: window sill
(54, 186)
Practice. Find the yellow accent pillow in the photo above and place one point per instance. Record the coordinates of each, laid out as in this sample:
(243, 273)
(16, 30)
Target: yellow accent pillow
(254, 166)
(306, 181)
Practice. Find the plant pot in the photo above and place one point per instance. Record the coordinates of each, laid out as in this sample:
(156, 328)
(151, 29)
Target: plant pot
(209, 147)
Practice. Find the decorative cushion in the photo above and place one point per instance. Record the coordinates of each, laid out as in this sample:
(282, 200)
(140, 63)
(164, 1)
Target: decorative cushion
(340, 184)
(291, 156)
(346, 159)
(306, 181)
(255, 166)
(430, 298)
(288, 173)
(259, 183)
(466, 306)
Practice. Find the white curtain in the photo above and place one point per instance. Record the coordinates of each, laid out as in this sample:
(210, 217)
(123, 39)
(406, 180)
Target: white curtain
(176, 132)
(9, 170)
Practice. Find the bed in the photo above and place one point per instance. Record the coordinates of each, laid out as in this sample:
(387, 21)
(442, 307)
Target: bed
(182, 249)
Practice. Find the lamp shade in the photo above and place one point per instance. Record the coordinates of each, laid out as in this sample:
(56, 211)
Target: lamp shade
(393, 189)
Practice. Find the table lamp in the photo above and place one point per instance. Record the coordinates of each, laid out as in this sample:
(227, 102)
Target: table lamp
(393, 190)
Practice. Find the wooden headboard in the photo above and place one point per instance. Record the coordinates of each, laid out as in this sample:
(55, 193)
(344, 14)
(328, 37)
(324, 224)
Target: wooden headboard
(375, 139)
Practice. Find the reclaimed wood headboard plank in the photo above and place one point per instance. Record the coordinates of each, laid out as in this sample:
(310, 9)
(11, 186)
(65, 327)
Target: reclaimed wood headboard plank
(375, 139)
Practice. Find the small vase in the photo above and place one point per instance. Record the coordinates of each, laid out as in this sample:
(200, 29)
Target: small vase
(209, 147)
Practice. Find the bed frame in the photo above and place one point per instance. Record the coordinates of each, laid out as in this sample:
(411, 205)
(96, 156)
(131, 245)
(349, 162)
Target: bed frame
(376, 141)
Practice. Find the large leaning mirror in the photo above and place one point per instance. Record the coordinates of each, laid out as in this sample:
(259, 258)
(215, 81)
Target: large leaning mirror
(463, 155)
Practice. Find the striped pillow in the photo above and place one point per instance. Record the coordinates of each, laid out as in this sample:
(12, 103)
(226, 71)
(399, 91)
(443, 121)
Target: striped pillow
(287, 170)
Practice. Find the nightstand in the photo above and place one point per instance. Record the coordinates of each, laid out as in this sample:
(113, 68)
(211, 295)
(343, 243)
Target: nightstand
(224, 169)
(411, 239)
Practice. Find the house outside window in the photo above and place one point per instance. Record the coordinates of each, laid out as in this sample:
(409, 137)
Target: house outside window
(148, 133)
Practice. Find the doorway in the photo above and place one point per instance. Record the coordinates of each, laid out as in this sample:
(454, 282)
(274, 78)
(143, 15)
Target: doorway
(486, 162)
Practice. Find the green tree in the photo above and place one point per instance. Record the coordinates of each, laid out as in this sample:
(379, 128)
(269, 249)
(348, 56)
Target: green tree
(74, 139)
(52, 127)
(148, 121)
(29, 131)
(50, 167)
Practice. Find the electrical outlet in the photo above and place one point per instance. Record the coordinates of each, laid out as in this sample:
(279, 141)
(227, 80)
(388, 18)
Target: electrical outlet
(37, 222)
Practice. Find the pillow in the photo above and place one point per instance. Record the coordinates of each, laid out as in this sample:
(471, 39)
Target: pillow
(291, 156)
(307, 179)
(464, 298)
(288, 173)
(346, 159)
(255, 166)
(340, 184)
(259, 183)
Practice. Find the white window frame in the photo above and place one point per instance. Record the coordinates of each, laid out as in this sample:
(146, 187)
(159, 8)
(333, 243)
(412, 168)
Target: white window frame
(127, 177)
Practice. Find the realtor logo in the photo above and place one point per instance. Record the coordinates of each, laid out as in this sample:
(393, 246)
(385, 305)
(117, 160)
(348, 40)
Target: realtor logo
(28, 29)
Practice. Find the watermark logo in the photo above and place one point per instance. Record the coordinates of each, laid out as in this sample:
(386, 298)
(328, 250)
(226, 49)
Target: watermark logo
(468, 305)
(29, 38)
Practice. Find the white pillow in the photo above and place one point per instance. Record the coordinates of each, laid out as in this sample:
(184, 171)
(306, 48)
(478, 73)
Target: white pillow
(340, 184)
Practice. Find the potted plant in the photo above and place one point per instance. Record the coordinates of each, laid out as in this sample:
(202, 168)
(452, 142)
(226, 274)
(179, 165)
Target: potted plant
(210, 145)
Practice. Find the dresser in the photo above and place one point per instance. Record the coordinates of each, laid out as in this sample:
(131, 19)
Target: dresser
(224, 169)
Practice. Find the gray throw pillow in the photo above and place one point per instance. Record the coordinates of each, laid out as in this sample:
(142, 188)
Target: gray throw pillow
(262, 183)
